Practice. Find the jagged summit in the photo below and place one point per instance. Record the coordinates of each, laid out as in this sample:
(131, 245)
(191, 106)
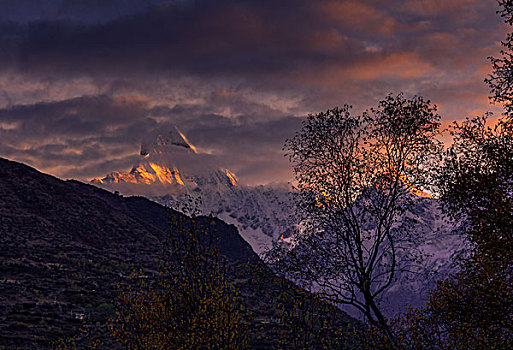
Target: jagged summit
(170, 160)
(174, 138)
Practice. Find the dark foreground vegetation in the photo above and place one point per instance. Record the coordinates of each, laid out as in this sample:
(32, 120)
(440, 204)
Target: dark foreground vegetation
(358, 179)
(83, 267)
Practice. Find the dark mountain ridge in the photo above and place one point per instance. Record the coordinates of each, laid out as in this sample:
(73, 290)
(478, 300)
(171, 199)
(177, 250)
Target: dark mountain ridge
(64, 244)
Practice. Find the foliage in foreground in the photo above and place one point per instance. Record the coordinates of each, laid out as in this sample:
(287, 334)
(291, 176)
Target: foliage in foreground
(189, 305)
(473, 308)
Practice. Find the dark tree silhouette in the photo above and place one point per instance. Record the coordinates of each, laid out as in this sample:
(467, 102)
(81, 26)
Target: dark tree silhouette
(189, 304)
(473, 308)
(501, 80)
(351, 176)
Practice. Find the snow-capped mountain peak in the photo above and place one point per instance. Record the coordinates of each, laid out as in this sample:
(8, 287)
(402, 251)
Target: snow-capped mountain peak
(169, 160)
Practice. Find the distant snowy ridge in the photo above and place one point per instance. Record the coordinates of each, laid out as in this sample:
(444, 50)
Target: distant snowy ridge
(172, 172)
(262, 214)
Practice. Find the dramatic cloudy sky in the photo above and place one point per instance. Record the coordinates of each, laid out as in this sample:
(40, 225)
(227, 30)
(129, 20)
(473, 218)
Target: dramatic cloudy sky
(82, 82)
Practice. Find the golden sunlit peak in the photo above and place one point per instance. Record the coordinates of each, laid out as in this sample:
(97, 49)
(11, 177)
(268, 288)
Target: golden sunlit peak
(163, 173)
(177, 176)
(232, 177)
(145, 176)
(187, 141)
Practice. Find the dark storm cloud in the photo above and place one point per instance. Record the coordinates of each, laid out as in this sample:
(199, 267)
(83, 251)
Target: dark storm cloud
(252, 160)
(82, 82)
(78, 11)
(90, 136)
(85, 116)
(250, 37)
(322, 50)
(211, 37)
(222, 37)
(73, 132)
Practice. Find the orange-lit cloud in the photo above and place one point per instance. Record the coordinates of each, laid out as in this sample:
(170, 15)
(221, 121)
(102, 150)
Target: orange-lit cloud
(358, 15)
(402, 65)
(434, 7)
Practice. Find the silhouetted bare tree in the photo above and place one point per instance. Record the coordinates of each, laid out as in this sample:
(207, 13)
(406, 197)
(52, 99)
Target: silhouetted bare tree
(355, 177)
